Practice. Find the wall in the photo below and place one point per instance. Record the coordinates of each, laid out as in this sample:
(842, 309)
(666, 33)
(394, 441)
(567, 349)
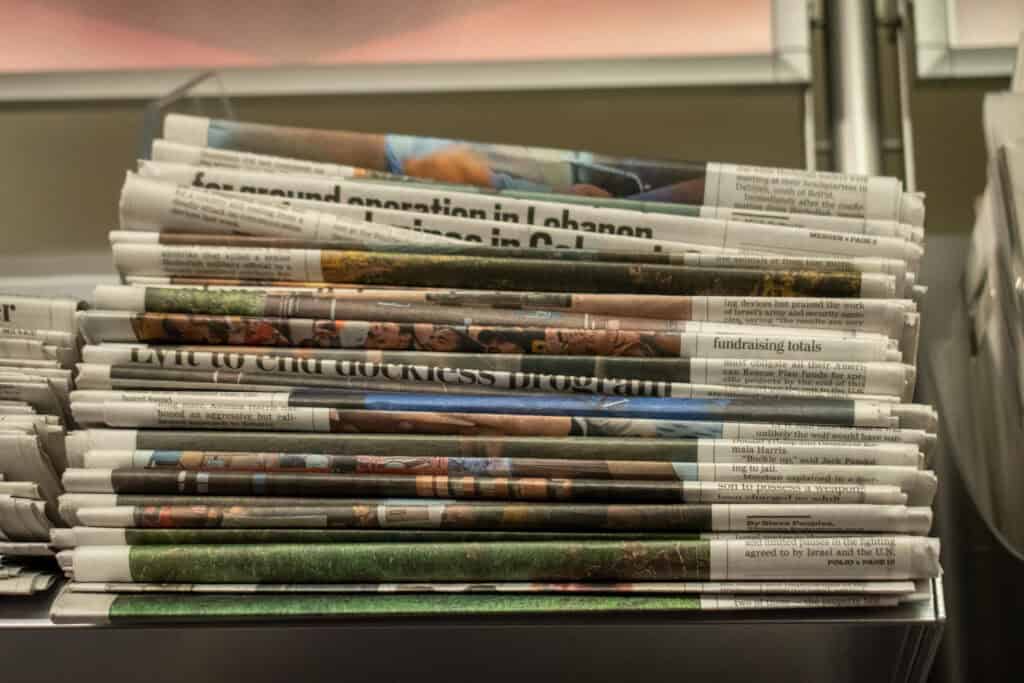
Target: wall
(950, 150)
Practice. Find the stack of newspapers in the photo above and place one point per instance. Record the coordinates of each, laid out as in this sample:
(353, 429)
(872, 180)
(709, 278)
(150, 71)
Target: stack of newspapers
(994, 298)
(38, 349)
(382, 375)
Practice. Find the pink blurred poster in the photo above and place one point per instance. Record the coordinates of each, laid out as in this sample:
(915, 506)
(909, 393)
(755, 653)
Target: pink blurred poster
(48, 37)
(986, 23)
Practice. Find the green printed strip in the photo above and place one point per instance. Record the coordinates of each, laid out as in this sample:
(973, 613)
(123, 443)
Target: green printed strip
(381, 562)
(212, 302)
(131, 608)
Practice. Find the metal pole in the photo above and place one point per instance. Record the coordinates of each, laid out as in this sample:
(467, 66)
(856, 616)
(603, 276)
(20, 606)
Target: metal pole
(906, 120)
(856, 143)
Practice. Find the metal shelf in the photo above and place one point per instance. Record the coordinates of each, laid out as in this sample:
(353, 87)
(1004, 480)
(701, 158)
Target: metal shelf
(850, 645)
(981, 574)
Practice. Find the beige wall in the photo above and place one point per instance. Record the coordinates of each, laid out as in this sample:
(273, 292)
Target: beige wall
(62, 164)
(951, 148)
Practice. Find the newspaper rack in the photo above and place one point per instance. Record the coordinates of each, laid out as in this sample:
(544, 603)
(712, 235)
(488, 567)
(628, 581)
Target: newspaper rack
(891, 644)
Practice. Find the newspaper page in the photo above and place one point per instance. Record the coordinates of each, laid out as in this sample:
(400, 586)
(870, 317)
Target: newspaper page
(520, 479)
(513, 371)
(148, 203)
(772, 518)
(901, 588)
(409, 269)
(100, 609)
(38, 313)
(257, 303)
(430, 378)
(194, 155)
(532, 168)
(664, 462)
(846, 413)
(756, 237)
(472, 487)
(452, 434)
(866, 266)
(881, 316)
(177, 328)
(738, 559)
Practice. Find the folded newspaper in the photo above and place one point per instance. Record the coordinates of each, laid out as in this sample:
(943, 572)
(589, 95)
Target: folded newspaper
(39, 345)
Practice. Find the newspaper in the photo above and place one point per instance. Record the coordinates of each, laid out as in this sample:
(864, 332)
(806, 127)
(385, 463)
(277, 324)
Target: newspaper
(202, 381)
(882, 316)
(901, 588)
(50, 337)
(132, 378)
(152, 204)
(752, 188)
(559, 437)
(916, 416)
(59, 379)
(49, 430)
(26, 582)
(8, 407)
(412, 269)
(22, 364)
(414, 197)
(485, 237)
(662, 461)
(773, 518)
(22, 458)
(739, 559)
(45, 395)
(99, 609)
(171, 414)
(65, 539)
(650, 458)
(19, 489)
(166, 150)
(69, 538)
(205, 406)
(526, 372)
(481, 238)
(467, 487)
(71, 504)
(24, 549)
(861, 412)
(181, 328)
(192, 155)
(279, 304)
(28, 421)
(23, 519)
(149, 205)
(35, 349)
(38, 313)
(434, 378)
(920, 485)
(254, 303)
